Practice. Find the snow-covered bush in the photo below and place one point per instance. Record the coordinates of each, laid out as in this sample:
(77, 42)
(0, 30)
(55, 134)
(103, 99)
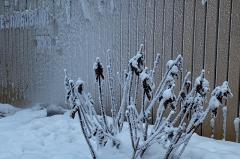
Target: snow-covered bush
(178, 115)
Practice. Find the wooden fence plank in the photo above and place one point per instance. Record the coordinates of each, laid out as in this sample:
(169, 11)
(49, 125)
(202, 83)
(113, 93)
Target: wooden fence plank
(31, 5)
(168, 32)
(178, 26)
(125, 34)
(7, 58)
(222, 55)
(158, 41)
(141, 22)
(199, 42)
(188, 35)
(168, 36)
(178, 33)
(11, 56)
(140, 39)
(133, 11)
(234, 69)
(117, 49)
(149, 35)
(210, 53)
(2, 54)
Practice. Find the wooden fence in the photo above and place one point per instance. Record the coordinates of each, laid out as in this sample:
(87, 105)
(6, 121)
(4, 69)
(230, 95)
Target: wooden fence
(32, 58)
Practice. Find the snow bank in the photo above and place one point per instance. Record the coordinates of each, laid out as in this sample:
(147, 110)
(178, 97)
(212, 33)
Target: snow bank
(31, 134)
(6, 110)
(51, 108)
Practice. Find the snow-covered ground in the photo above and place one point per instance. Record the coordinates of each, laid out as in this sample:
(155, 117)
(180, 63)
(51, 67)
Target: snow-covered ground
(30, 134)
(6, 110)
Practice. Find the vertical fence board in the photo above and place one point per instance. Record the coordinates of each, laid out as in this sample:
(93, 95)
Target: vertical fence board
(26, 57)
(158, 42)
(222, 55)
(234, 69)
(178, 27)
(2, 60)
(188, 35)
(168, 31)
(141, 22)
(210, 54)
(7, 58)
(125, 33)
(14, 59)
(117, 49)
(178, 37)
(149, 35)
(178, 34)
(12, 49)
(149, 25)
(133, 27)
(140, 39)
(199, 42)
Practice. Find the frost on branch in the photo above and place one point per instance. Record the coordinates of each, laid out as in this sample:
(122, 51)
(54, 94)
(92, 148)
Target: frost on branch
(178, 115)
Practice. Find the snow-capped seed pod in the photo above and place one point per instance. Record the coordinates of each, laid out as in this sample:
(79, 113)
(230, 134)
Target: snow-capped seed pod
(213, 105)
(222, 92)
(98, 68)
(168, 97)
(201, 84)
(177, 62)
(226, 91)
(136, 63)
(187, 85)
(169, 64)
(147, 82)
(79, 86)
(218, 94)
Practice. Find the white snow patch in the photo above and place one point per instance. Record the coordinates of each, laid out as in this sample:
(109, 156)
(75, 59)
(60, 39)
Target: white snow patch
(6, 110)
(29, 134)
